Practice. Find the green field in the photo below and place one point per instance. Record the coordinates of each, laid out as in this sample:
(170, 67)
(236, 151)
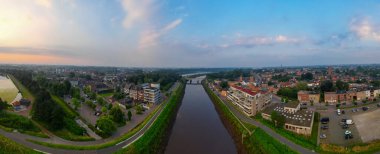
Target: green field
(8, 146)
(8, 90)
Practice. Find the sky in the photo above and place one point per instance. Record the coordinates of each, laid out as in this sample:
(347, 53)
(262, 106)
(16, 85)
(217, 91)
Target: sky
(189, 33)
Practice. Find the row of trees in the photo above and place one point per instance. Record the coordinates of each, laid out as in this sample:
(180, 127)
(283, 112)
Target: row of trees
(107, 123)
(165, 78)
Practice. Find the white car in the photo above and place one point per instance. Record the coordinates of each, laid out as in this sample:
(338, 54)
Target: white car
(322, 136)
(338, 111)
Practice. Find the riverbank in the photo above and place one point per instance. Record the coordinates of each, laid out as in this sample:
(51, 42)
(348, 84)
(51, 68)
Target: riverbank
(248, 138)
(156, 137)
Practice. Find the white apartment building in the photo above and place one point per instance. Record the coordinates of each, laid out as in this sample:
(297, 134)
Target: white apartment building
(152, 95)
(247, 101)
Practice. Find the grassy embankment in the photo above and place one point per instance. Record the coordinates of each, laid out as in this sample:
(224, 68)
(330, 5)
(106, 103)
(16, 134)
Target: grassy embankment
(71, 113)
(309, 142)
(8, 146)
(155, 138)
(109, 143)
(24, 91)
(256, 142)
(10, 121)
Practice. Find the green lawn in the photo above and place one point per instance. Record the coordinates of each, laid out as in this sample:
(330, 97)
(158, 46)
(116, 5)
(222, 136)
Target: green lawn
(24, 91)
(106, 94)
(8, 94)
(8, 146)
(10, 121)
(66, 108)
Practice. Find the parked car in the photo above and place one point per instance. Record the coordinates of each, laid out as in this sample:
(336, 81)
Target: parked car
(349, 122)
(324, 127)
(348, 135)
(378, 105)
(322, 136)
(355, 110)
(345, 126)
(365, 108)
(344, 120)
(343, 112)
(338, 111)
(325, 120)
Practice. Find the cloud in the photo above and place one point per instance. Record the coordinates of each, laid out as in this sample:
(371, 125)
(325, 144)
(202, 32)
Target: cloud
(137, 11)
(150, 38)
(254, 41)
(44, 3)
(364, 29)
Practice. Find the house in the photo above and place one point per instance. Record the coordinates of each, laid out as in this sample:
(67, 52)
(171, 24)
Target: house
(296, 120)
(308, 96)
(248, 102)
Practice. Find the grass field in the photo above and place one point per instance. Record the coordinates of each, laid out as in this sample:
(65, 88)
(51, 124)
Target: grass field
(66, 108)
(8, 146)
(24, 91)
(8, 90)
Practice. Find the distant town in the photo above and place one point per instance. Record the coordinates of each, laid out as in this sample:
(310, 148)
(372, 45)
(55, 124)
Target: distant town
(56, 109)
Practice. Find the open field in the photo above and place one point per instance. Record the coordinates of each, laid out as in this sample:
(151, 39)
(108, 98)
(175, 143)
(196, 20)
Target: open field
(368, 125)
(8, 90)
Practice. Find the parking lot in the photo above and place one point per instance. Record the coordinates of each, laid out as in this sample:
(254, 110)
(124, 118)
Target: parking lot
(365, 127)
(368, 125)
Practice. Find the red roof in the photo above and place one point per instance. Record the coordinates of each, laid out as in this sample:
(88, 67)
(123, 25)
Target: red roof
(245, 90)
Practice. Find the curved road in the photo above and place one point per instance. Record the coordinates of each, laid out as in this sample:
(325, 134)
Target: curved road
(22, 138)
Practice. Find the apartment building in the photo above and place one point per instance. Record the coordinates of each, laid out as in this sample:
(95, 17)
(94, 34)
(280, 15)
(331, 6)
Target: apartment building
(249, 102)
(308, 96)
(152, 95)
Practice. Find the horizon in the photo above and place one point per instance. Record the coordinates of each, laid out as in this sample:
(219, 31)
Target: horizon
(189, 34)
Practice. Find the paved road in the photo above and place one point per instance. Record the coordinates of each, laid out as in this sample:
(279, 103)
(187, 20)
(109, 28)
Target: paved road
(21, 138)
(268, 130)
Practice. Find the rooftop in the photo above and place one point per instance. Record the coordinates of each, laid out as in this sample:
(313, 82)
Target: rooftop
(299, 118)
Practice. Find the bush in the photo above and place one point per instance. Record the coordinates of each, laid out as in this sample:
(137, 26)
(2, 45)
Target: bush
(73, 127)
(17, 122)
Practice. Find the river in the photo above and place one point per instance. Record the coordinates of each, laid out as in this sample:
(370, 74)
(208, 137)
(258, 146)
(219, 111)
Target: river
(198, 128)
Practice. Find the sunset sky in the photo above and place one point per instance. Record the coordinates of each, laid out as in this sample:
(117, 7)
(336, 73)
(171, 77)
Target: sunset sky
(188, 33)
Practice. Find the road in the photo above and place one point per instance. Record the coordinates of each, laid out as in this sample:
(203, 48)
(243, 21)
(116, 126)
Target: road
(22, 139)
(268, 130)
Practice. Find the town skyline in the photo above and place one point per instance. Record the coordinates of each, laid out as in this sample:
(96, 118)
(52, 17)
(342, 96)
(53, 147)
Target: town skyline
(152, 33)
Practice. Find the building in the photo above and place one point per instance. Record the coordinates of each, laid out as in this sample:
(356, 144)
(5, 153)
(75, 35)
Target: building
(136, 93)
(331, 97)
(152, 95)
(249, 102)
(296, 120)
(308, 96)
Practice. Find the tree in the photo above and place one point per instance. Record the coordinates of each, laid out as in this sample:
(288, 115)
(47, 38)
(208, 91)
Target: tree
(117, 115)
(129, 115)
(139, 109)
(105, 124)
(278, 119)
(301, 86)
(76, 103)
(340, 85)
(3, 105)
(224, 84)
(327, 86)
(56, 121)
(307, 76)
(104, 109)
